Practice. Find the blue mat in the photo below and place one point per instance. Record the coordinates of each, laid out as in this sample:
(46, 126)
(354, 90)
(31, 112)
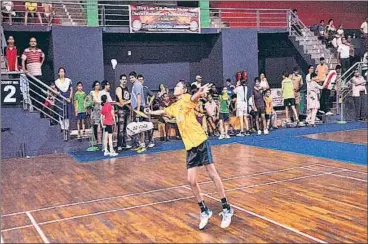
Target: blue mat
(285, 139)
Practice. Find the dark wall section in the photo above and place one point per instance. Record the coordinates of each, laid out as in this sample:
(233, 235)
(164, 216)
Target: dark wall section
(164, 58)
(277, 54)
(239, 52)
(79, 51)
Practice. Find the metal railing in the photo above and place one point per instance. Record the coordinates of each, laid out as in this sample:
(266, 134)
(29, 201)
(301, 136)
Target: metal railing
(113, 14)
(34, 92)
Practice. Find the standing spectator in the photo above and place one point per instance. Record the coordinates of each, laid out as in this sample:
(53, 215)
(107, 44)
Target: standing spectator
(321, 70)
(123, 104)
(64, 86)
(167, 120)
(80, 109)
(295, 22)
(364, 28)
(264, 83)
(313, 91)
(359, 91)
(106, 87)
(32, 8)
(150, 97)
(259, 108)
(224, 113)
(96, 111)
(138, 103)
(34, 58)
(328, 85)
(50, 104)
(108, 121)
(269, 111)
(344, 54)
(238, 78)
(297, 84)
(212, 113)
(214, 93)
(242, 107)
(11, 55)
(288, 96)
(7, 7)
(161, 91)
(198, 82)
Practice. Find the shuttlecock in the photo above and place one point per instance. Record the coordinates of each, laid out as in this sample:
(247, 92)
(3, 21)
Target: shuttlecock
(114, 63)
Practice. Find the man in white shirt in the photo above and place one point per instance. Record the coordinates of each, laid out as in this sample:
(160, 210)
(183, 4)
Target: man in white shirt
(344, 53)
(197, 82)
(359, 93)
(364, 27)
(242, 107)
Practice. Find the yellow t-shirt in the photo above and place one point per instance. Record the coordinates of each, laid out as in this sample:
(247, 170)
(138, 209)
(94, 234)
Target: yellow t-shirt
(31, 6)
(322, 71)
(268, 102)
(190, 130)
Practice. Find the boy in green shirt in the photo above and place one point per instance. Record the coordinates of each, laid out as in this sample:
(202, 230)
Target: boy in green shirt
(80, 108)
(224, 116)
(288, 95)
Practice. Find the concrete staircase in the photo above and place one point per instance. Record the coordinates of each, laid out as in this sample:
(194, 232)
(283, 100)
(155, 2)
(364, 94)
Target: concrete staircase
(70, 13)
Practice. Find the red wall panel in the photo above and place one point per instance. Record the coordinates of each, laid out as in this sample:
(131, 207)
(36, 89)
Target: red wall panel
(349, 13)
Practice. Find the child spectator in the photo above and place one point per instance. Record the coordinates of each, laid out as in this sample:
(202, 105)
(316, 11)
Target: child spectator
(212, 113)
(259, 107)
(313, 90)
(88, 104)
(108, 121)
(49, 104)
(79, 108)
(288, 96)
(242, 107)
(11, 55)
(269, 109)
(224, 114)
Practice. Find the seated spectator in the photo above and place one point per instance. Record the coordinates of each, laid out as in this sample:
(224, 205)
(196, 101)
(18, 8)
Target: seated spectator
(364, 28)
(212, 114)
(7, 7)
(197, 82)
(168, 121)
(330, 32)
(321, 31)
(11, 55)
(161, 91)
(359, 91)
(48, 12)
(336, 42)
(31, 8)
(264, 83)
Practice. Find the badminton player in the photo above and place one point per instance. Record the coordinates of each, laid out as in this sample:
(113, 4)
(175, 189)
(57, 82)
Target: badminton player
(197, 147)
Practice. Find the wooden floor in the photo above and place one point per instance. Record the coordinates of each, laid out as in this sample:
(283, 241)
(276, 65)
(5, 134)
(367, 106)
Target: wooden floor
(353, 136)
(277, 196)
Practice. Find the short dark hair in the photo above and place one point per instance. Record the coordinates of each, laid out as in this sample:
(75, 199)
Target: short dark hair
(314, 74)
(256, 78)
(321, 58)
(104, 83)
(310, 66)
(186, 85)
(296, 68)
(140, 76)
(285, 74)
(79, 83)
(338, 67)
(267, 90)
(228, 80)
(121, 76)
(103, 99)
(295, 10)
(133, 73)
(95, 83)
(322, 20)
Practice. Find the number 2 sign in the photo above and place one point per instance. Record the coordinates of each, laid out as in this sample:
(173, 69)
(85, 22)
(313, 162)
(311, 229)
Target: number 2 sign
(10, 92)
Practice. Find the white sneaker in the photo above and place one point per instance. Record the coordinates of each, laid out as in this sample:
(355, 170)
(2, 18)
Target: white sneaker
(227, 136)
(113, 154)
(329, 113)
(106, 153)
(204, 216)
(128, 147)
(266, 132)
(240, 134)
(221, 137)
(322, 112)
(151, 144)
(226, 217)
(259, 132)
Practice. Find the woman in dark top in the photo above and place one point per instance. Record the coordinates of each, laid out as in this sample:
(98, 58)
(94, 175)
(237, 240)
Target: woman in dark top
(259, 107)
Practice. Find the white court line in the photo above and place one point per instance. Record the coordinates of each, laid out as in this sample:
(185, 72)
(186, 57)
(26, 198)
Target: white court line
(40, 232)
(276, 182)
(2, 240)
(341, 176)
(146, 192)
(271, 221)
(328, 166)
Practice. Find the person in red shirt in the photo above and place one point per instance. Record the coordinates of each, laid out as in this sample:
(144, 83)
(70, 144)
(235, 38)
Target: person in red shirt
(11, 54)
(108, 121)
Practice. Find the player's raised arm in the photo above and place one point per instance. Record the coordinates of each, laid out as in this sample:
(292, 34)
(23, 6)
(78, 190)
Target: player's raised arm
(202, 91)
(156, 112)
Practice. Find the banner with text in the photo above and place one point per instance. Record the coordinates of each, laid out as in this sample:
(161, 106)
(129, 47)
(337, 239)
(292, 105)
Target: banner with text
(277, 100)
(145, 18)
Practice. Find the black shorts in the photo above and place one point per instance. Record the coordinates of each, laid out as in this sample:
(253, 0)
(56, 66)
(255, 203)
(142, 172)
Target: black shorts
(108, 129)
(289, 102)
(268, 116)
(225, 117)
(199, 156)
(260, 111)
